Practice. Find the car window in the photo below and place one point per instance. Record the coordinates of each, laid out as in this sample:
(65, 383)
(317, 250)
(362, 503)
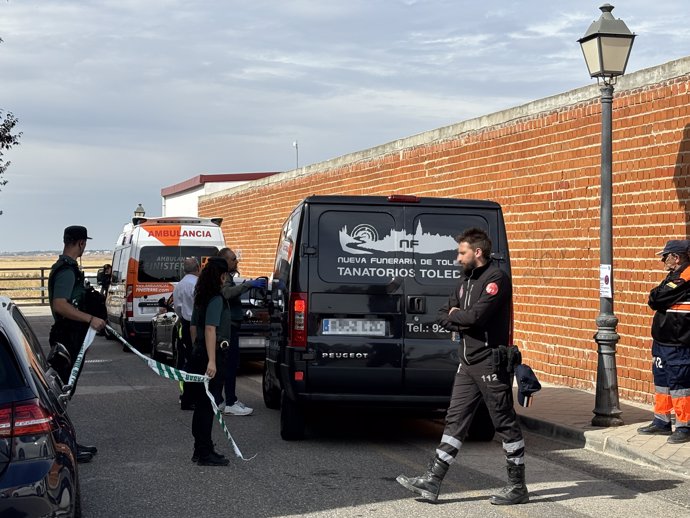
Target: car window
(30, 338)
(37, 360)
(286, 248)
(116, 275)
(10, 377)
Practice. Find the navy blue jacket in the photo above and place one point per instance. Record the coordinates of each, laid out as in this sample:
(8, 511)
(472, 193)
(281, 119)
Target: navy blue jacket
(671, 301)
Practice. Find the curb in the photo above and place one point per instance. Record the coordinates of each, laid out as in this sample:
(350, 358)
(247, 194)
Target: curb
(621, 448)
(601, 441)
(553, 430)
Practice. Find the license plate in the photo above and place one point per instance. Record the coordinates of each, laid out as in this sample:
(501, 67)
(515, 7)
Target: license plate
(350, 326)
(250, 341)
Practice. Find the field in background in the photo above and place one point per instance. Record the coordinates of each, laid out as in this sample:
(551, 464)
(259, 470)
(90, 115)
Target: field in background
(25, 278)
(37, 261)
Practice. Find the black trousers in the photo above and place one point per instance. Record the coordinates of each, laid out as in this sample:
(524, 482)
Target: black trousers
(490, 382)
(184, 359)
(202, 420)
(71, 335)
(184, 355)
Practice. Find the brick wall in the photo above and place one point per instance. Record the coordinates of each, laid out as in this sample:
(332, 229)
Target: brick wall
(541, 162)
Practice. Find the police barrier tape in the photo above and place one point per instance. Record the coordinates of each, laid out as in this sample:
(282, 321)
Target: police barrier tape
(163, 370)
(88, 340)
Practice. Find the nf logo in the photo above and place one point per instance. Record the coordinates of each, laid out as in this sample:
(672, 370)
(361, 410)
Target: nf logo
(365, 239)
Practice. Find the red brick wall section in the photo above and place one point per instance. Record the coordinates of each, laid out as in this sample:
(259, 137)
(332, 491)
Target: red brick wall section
(544, 170)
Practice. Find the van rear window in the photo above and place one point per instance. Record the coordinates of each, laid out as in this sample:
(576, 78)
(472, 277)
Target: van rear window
(360, 248)
(374, 248)
(435, 252)
(164, 263)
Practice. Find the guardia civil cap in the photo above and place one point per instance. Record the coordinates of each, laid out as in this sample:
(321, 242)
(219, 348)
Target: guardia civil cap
(75, 233)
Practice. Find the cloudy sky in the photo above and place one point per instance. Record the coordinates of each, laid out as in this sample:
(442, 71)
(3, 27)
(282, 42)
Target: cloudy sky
(119, 98)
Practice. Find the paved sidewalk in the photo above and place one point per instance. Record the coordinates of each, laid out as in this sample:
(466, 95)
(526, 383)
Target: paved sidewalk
(566, 414)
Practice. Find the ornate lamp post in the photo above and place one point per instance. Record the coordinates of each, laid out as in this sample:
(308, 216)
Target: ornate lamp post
(606, 46)
(139, 212)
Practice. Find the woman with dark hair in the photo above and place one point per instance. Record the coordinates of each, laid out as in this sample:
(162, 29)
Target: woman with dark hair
(208, 306)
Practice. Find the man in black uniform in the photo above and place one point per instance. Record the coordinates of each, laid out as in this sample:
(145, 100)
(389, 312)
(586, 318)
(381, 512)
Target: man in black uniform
(67, 296)
(478, 314)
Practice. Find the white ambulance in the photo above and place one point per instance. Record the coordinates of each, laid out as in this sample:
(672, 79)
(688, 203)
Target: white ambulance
(148, 263)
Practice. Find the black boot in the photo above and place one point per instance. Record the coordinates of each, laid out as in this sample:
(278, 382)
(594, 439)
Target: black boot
(88, 449)
(429, 484)
(84, 456)
(516, 491)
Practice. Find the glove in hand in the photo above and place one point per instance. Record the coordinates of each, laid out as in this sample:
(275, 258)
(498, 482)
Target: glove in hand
(256, 283)
(445, 323)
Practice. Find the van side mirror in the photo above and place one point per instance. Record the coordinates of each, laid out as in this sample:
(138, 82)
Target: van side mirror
(258, 296)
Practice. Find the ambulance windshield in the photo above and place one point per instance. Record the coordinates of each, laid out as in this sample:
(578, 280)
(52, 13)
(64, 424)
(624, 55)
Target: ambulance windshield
(164, 263)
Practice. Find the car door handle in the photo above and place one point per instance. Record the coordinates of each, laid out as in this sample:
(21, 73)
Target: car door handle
(416, 304)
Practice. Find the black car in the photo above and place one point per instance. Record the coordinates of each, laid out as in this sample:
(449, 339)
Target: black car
(38, 448)
(165, 332)
(357, 284)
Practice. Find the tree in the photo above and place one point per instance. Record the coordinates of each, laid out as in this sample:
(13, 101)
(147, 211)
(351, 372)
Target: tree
(7, 140)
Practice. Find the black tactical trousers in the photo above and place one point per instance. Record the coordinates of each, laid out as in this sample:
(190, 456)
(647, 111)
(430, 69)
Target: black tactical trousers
(202, 419)
(489, 382)
(71, 335)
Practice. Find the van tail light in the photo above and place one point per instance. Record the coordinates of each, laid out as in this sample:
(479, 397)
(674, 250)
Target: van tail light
(129, 300)
(298, 320)
(403, 198)
(26, 418)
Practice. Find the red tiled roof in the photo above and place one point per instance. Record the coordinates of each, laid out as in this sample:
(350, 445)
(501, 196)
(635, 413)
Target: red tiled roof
(202, 179)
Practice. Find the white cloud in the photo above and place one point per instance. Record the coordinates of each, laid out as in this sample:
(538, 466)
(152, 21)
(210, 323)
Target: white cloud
(140, 95)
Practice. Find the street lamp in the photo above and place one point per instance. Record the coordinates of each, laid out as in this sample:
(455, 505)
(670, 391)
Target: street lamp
(606, 46)
(139, 214)
(295, 144)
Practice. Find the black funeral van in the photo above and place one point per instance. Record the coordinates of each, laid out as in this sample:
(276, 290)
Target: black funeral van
(357, 283)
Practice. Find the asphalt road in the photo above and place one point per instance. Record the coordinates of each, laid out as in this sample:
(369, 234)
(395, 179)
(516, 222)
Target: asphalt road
(345, 468)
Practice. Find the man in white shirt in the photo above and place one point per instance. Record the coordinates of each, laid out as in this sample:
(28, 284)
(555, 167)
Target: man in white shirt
(183, 302)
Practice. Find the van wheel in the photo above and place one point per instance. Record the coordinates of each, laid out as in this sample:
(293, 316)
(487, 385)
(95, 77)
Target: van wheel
(271, 394)
(291, 419)
(482, 428)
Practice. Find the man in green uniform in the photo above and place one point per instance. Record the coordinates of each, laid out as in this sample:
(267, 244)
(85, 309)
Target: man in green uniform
(66, 292)
(229, 331)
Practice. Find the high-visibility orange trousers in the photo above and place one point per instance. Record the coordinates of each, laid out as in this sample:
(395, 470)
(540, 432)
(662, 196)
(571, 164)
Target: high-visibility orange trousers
(671, 369)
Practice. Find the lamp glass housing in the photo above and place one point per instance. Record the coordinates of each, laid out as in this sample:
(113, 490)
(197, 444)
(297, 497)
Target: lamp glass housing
(607, 55)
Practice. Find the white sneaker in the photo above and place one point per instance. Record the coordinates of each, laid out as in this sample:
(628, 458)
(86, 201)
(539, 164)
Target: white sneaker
(238, 409)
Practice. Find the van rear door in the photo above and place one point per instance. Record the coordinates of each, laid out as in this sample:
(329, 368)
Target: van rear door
(430, 358)
(355, 306)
